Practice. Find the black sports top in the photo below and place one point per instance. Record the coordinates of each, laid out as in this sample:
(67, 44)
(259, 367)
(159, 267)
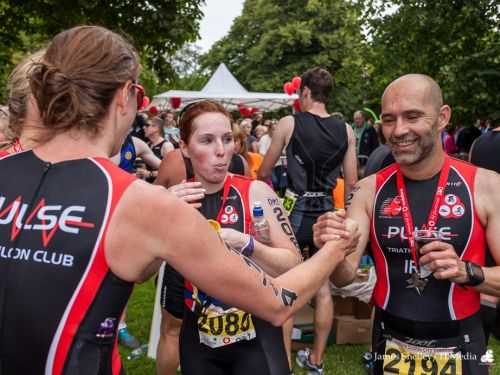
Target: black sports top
(486, 151)
(157, 149)
(315, 153)
(235, 214)
(60, 304)
(219, 330)
(380, 158)
(457, 222)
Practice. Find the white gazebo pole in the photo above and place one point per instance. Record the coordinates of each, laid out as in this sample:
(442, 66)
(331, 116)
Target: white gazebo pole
(154, 333)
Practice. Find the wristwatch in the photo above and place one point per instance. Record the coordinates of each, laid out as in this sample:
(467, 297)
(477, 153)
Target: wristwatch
(475, 274)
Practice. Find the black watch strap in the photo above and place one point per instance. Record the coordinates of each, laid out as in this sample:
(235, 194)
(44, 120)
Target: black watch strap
(475, 274)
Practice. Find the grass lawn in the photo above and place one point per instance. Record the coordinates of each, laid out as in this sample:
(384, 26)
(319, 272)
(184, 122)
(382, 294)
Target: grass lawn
(340, 359)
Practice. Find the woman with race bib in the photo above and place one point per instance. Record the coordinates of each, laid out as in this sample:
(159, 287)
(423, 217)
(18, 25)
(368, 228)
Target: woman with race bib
(217, 338)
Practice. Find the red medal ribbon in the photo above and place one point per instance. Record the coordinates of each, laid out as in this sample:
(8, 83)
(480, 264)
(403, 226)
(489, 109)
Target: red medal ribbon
(433, 214)
(16, 146)
(225, 193)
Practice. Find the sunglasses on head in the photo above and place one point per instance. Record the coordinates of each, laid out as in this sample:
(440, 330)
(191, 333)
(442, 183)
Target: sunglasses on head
(140, 94)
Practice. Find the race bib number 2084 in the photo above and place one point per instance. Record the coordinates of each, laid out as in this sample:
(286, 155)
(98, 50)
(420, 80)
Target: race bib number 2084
(221, 329)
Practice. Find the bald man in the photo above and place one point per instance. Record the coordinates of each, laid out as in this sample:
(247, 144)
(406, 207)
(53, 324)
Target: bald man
(429, 219)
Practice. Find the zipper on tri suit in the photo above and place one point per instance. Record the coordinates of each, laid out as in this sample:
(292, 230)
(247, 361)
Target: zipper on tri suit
(3, 288)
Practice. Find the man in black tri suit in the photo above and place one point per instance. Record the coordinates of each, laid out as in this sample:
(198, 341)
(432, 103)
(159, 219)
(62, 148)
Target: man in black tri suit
(317, 147)
(427, 293)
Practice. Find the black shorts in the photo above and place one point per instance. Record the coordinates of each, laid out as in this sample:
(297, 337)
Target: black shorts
(264, 355)
(489, 318)
(304, 214)
(467, 335)
(172, 292)
(302, 223)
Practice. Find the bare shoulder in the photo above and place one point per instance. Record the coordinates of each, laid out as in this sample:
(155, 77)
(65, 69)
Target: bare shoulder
(286, 120)
(486, 194)
(285, 126)
(139, 144)
(261, 189)
(172, 169)
(350, 132)
(487, 180)
(134, 237)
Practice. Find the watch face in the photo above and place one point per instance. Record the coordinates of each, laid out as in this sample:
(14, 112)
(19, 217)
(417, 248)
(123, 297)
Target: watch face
(478, 272)
(475, 273)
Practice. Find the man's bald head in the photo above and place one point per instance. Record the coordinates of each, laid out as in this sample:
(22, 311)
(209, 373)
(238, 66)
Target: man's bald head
(429, 88)
(413, 116)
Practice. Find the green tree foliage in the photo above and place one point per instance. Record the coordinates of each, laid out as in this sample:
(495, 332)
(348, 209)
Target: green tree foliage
(454, 41)
(273, 40)
(156, 27)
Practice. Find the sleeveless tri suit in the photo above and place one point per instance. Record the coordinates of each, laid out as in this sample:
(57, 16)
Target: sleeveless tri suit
(60, 304)
(315, 154)
(444, 314)
(217, 338)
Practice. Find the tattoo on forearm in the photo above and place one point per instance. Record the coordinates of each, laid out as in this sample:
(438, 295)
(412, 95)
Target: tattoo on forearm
(285, 226)
(288, 297)
(350, 196)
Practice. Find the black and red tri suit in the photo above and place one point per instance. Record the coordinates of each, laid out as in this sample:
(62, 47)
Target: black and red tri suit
(60, 304)
(445, 309)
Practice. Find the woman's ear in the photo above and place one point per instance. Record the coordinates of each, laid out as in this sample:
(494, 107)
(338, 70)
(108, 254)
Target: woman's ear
(184, 149)
(122, 97)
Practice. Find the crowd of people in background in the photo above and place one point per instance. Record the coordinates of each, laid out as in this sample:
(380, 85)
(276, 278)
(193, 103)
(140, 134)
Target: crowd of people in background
(159, 130)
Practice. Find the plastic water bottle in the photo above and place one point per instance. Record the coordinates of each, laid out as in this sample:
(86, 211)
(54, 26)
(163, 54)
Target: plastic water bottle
(260, 224)
(139, 352)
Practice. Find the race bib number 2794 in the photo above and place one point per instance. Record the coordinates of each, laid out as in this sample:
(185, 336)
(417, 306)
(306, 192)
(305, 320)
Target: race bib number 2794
(404, 359)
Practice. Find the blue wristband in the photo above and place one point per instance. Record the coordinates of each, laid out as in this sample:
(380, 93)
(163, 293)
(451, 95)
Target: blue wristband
(249, 248)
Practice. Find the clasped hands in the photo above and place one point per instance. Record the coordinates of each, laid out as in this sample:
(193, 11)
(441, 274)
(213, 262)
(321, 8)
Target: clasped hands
(335, 226)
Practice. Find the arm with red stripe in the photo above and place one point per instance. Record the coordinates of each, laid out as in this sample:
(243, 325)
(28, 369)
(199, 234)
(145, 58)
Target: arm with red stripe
(332, 225)
(166, 228)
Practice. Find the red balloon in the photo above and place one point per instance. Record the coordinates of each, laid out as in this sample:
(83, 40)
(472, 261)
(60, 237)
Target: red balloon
(145, 102)
(296, 105)
(244, 111)
(153, 110)
(289, 88)
(175, 102)
(296, 81)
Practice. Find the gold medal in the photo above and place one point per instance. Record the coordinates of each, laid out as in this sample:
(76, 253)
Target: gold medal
(214, 224)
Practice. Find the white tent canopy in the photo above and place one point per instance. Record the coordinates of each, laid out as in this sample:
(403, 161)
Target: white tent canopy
(225, 88)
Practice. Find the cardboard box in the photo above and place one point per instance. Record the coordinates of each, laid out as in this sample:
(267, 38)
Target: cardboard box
(344, 306)
(349, 330)
(362, 310)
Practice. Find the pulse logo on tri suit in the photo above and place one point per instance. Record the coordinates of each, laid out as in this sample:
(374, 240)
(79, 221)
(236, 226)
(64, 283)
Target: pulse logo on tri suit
(44, 218)
(391, 207)
(445, 233)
